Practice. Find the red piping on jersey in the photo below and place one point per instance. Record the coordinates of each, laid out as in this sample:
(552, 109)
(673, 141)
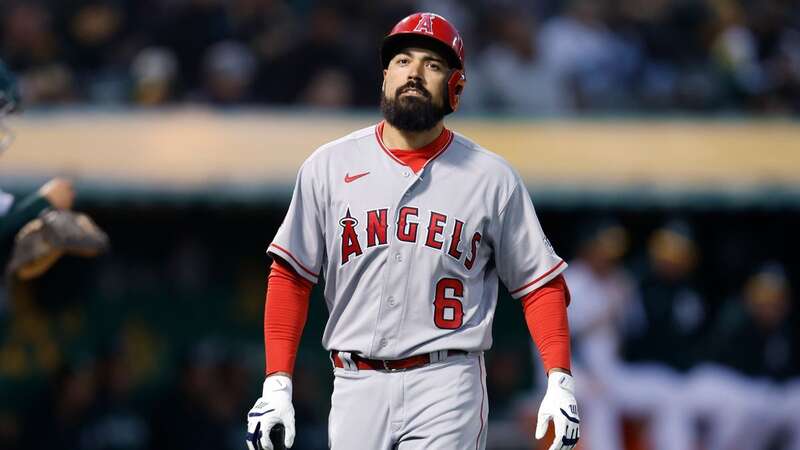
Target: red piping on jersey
(295, 260)
(444, 139)
(480, 367)
(379, 137)
(539, 278)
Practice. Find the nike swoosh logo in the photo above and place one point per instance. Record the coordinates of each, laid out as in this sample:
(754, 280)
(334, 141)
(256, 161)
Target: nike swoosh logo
(349, 179)
(261, 413)
(570, 418)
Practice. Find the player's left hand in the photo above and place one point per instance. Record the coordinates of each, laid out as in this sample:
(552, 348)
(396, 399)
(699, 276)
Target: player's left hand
(559, 405)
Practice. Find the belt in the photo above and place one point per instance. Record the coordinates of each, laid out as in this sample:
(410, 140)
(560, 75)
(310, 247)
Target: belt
(393, 365)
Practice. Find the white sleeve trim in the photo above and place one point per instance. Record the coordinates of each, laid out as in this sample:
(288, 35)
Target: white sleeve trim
(539, 281)
(287, 256)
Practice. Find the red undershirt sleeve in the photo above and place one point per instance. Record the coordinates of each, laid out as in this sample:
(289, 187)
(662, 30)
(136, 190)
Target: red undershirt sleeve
(546, 315)
(285, 313)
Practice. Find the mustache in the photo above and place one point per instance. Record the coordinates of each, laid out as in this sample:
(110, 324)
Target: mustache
(413, 85)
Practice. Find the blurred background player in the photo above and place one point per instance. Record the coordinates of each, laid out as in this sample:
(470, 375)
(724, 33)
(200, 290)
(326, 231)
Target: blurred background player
(673, 311)
(14, 213)
(744, 394)
(602, 293)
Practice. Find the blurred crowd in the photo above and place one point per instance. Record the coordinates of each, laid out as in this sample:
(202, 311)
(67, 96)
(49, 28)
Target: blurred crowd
(523, 57)
(652, 345)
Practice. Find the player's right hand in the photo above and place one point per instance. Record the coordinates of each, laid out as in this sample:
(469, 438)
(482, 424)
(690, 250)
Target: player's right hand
(274, 407)
(59, 193)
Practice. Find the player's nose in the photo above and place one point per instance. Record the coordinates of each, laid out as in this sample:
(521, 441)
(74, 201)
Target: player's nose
(415, 81)
(416, 70)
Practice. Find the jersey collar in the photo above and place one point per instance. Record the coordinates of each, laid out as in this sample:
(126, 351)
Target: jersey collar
(434, 149)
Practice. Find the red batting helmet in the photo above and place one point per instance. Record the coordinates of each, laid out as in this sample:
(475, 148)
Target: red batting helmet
(428, 30)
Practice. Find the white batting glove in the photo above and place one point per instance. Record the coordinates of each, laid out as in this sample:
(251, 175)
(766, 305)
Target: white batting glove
(559, 405)
(274, 407)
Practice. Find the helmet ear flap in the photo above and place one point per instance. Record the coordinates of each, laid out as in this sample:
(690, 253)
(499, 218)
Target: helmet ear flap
(454, 88)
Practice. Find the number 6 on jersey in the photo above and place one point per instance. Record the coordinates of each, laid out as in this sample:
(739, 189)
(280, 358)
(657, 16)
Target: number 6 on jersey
(448, 312)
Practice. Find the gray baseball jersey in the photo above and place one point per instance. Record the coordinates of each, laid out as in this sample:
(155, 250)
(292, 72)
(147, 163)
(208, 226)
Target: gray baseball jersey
(411, 262)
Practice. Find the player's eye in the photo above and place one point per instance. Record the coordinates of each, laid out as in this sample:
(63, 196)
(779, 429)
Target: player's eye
(434, 66)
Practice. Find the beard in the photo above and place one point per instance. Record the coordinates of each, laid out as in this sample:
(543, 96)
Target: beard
(411, 113)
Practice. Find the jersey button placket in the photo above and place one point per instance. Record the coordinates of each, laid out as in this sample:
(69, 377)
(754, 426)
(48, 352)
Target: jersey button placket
(389, 315)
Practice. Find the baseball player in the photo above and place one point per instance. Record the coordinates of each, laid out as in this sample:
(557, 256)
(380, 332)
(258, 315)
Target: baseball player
(57, 193)
(412, 227)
